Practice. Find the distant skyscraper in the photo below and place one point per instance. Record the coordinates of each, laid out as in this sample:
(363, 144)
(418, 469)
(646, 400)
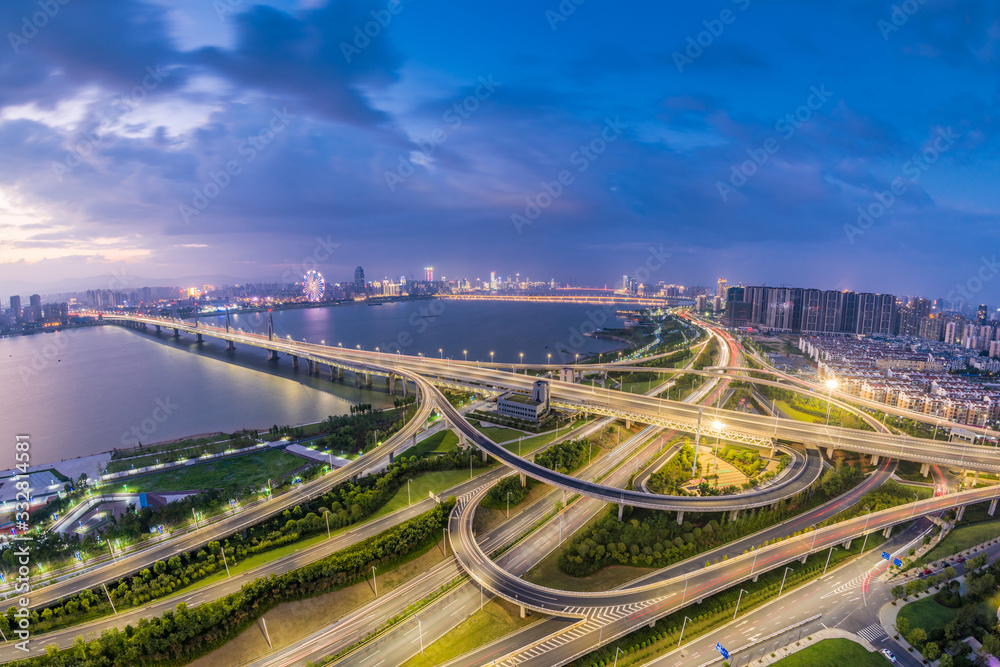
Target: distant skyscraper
(35, 301)
(359, 280)
(493, 281)
(721, 290)
(429, 274)
(625, 283)
(15, 306)
(982, 314)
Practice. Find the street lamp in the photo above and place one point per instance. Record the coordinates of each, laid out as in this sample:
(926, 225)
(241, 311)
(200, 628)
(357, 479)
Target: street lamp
(491, 356)
(718, 426)
(865, 543)
(936, 429)
(466, 353)
(374, 582)
(783, 581)
(441, 352)
(831, 385)
(617, 651)
(738, 602)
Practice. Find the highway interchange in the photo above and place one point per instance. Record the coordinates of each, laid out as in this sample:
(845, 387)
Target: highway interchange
(663, 592)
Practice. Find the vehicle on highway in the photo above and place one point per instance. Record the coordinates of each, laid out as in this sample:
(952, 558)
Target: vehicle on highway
(888, 655)
(960, 559)
(926, 571)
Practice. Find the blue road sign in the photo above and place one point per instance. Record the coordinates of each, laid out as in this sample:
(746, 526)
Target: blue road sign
(897, 562)
(723, 651)
(885, 555)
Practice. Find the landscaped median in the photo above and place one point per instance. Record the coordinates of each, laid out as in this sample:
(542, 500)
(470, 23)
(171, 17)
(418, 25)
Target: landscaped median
(180, 636)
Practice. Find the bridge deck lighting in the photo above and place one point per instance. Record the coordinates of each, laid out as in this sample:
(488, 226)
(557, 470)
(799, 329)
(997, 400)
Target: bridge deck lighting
(717, 425)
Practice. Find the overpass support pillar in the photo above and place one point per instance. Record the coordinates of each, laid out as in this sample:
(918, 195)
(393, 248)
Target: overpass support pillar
(157, 328)
(484, 454)
(333, 373)
(975, 479)
(523, 613)
(887, 532)
(198, 339)
(230, 346)
(960, 513)
(309, 366)
(357, 378)
(803, 561)
(628, 424)
(177, 334)
(524, 480)
(621, 511)
(680, 518)
(272, 355)
(874, 459)
(925, 469)
(847, 544)
(368, 380)
(993, 506)
(295, 361)
(404, 387)
(734, 515)
(390, 458)
(829, 452)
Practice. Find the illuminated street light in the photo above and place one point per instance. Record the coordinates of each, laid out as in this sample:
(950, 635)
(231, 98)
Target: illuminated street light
(831, 384)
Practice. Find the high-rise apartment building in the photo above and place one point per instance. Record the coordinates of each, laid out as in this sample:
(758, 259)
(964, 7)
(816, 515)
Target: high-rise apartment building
(721, 289)
(15, 306)
(359, 281)
(429, 274)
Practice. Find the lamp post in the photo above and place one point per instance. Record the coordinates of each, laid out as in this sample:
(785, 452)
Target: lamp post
(617, 651)
(830, 384)
(697, 440)
(409, 500)
(420, 628)
(936, 429)
(441, 352)
(865, 543)
(718, 426)
(783, 581)
(738, 602)
(916, 500)
(491, 356)
(374, 581)
(466, 353)
(683, 625)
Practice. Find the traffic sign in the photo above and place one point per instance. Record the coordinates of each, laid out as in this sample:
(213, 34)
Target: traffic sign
(723, 651)
(897, 562)
(885, 555)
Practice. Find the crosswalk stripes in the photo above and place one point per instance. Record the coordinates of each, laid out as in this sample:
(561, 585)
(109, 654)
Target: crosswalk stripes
(873, 632)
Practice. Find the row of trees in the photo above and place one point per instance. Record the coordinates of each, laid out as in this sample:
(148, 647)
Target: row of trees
(178, 637)
(653, 539)
(344, 505)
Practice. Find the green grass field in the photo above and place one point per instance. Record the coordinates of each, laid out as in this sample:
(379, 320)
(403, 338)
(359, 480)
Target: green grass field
(425, 483)
(440, 442)
(833, 653)
(963, 538)
(497, 433)
(927, 614)
(255, 468)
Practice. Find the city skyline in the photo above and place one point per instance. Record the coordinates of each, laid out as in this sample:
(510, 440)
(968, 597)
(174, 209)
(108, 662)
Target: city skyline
(865, 165)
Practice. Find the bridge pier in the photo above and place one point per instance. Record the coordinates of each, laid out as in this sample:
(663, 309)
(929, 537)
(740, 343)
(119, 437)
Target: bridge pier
(524, 480)
(523, 613)
(847, 544)
(295, 361)
(272, 355)
(368, 380)
(621, 510)
(157, 328)
(230, 346)
(961, 513)
(198, 339)
(975, 479)
(390, 458)
(404, 387)
(177, 333)
(874, 459)
(340, 373)
(887, 533)
(333, 373)
(628, 424)
(680, 518)
(484, 454)
(829, 452)
(357, 378)
(309, 367)
(803, 561)
(993, 506)
(734, 515)
(925, 469)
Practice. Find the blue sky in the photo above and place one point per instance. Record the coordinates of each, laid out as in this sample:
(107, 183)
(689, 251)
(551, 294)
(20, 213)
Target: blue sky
(172, 138)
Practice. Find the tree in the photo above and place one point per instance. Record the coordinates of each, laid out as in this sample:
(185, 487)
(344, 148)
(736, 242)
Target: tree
(931, 651)
(946, 661)
(902, 624)
(898, 592)
(917, 637)
(991, 644)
